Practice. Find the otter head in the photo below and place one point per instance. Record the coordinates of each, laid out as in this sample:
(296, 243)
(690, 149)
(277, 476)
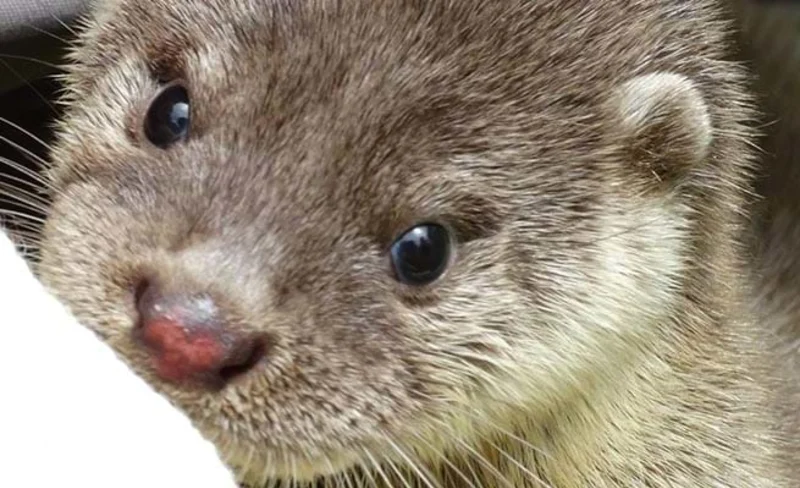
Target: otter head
(349, 234)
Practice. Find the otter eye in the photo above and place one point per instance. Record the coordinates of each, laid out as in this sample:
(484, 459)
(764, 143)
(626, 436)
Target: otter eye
(168, 118)
(421, 254)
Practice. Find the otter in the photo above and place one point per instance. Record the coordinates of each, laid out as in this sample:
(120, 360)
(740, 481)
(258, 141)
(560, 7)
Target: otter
(438, 244)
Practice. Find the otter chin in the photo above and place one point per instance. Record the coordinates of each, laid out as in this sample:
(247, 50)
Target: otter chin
(435, 243)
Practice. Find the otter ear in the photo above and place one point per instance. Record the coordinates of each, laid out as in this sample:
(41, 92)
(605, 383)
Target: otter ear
(663, 124)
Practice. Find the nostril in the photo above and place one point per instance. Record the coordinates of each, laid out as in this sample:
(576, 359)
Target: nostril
(140, 291)
(241, 363)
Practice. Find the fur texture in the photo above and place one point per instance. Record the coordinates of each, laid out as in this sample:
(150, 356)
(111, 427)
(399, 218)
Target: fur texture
(592, 157)
(73, 414)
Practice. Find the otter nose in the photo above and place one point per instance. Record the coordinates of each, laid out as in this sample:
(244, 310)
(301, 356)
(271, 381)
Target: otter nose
(189, 340)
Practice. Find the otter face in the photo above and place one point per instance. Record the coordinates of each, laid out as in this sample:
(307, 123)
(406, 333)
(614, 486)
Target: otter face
(341, 234)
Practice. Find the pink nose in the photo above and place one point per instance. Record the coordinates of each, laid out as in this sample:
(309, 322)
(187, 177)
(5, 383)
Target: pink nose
(189, 340)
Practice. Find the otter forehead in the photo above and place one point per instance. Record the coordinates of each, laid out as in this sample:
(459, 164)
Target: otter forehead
(298, 111)
(423, 80)
(421, 77)
(325, 44)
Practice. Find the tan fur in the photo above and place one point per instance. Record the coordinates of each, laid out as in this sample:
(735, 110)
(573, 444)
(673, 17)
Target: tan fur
(593, 329)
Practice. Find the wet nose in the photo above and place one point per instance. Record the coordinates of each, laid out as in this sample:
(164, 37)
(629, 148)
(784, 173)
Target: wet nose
(190, 341)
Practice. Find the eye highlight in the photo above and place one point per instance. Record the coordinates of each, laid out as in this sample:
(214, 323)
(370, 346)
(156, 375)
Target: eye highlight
(421, 254)
(168, 118)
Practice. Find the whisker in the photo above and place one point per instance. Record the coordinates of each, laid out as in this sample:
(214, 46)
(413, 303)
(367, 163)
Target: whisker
(378, 468)
(367, 471)
(337, 477)
(27, 214)
(248, 461)
(26, 132)
(28, 250)
(348, 480)
(474, 474)
(282, 481)
(19, 229)
(519, 465)
(443, 457)
(33, 157)
(506, 432)
(398, 472)
(66, 27)
(21, 215)
(23, 197)
(411, 464)
(23, 183)
(32, 60)
(29, 84)
(344, 480)
(265, 474)
(468, 465)
(30, 236)
(48, 33)
(365, 476)
(294, 472)
(289, 461)
(477, 456)
(33, 176)
(21, 224)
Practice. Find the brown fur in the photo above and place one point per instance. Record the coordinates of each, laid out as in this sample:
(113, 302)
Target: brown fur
(593, 328)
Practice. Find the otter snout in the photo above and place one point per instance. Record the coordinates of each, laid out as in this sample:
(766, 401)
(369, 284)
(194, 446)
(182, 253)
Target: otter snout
(191, 339)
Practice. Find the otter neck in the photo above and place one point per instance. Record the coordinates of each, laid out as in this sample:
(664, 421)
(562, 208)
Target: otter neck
(664, 416)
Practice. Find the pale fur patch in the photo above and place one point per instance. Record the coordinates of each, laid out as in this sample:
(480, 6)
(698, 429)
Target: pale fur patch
(73, 414)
